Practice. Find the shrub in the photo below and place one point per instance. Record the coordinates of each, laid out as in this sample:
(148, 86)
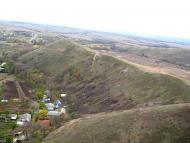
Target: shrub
(43, 114)
(41, 105)
(39, 93)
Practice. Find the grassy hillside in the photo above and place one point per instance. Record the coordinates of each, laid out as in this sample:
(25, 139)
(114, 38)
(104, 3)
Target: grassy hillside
(165, 124)
(177, 56)
(101, 83)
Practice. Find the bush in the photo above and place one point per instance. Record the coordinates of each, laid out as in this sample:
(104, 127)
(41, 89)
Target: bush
(13, 125)
(43, 114)
(39, 93)
(2, 89)
(8, 139)
(9, 67)
(41, 105)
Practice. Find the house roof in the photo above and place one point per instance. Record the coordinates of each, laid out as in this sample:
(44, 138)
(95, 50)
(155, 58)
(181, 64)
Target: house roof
(54, 113)
(50, 105)
(27, 117)
(13, 116)
(3, 64)
(44, 123)
(63, 95)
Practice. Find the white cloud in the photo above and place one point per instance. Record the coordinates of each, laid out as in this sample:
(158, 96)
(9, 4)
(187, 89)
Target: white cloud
(155, 17)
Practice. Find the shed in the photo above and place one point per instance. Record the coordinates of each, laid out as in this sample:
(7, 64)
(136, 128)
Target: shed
(50, 106)
(23, 119)
(63, 95)
(13, 116)
(58, 104)
(54, 113)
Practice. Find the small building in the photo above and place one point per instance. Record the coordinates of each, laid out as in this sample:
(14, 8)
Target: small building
(13, 116)
(54, 113)
(58, 104)
(2, 70)
(61, 110)
(50, 106)
(24, 119)
(46, 100)
(3, 64)
(19, 137)
(4, 100)
(63, 95)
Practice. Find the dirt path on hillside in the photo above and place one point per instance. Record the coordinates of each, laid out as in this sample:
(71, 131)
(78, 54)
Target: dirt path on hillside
(179, 73)
(93, 62)
(170, 70)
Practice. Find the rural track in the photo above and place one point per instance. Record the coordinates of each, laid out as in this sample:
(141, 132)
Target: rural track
(94, 60)
(178, 73)
(22, 95)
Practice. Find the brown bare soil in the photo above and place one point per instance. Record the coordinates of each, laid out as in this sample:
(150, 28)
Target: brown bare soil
(26, 88)
(11, 92)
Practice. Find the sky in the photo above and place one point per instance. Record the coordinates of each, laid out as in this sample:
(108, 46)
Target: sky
(148, 17)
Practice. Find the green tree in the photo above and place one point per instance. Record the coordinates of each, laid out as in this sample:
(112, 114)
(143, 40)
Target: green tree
(42, 105)
(13, 125)
(39, 94)
(8, 139)
(9, 67)
(2, 89)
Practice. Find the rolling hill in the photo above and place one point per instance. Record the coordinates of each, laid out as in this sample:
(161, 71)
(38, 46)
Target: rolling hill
(165, 124)
(99, 83)
(113, 99)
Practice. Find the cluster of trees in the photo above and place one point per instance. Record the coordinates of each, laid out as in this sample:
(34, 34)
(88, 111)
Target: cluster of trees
(39, 93)
(10, 67)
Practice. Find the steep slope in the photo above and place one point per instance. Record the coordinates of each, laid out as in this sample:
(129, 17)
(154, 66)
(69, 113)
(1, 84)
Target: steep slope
(99, 83)
(165, 124)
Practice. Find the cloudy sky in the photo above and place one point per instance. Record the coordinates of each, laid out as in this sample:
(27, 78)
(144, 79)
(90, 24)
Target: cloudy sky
(151, 17)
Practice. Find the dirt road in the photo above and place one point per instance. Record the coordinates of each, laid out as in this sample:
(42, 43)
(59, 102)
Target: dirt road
(170, 70)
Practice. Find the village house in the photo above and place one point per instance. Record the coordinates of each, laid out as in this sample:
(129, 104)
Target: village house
(13, 116)
(58, 104)
(57, 112)
(54, 113)
(24, 119)
(3, 64)
(19, 137)
(4, 100)
(2, 67)
(50, 106)
(46, 100)
(63, 95)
